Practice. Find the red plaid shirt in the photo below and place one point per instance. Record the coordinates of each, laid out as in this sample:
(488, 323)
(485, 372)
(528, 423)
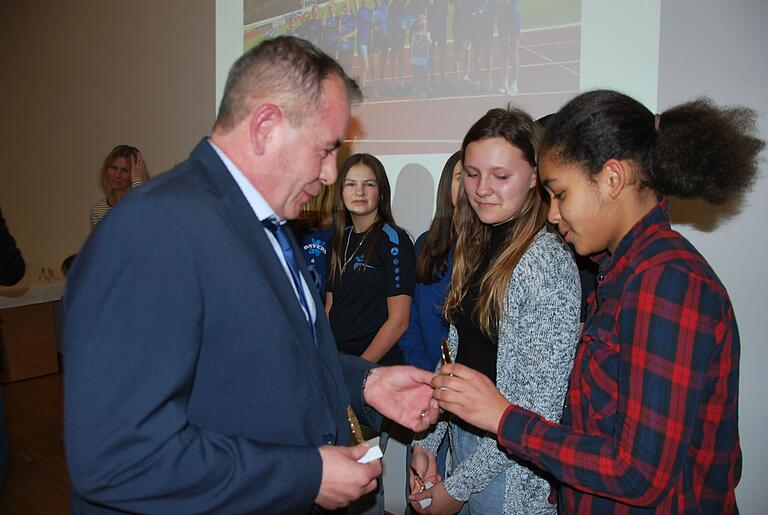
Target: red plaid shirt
(651, 418)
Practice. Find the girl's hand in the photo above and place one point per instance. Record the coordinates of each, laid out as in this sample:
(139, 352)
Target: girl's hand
(470, 395)
(442, 502)
(425, 463)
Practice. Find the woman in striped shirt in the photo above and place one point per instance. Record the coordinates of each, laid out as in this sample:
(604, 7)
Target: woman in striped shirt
(123, 169)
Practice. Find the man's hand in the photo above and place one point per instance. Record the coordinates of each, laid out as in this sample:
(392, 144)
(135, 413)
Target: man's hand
(470, 395)
(344, 479)
(442, 502)
(402, 394)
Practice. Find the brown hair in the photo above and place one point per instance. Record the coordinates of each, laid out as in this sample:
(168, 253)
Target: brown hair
(341, 215)
(441, 235)
(518, 129)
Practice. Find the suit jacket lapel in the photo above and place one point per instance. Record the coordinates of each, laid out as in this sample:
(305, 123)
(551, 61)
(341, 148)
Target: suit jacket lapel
(234, 208)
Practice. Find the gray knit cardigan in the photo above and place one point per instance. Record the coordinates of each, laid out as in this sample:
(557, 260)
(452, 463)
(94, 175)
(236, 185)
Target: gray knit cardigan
(537, 340)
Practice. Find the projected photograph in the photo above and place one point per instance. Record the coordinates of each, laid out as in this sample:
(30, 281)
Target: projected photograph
(435, 64)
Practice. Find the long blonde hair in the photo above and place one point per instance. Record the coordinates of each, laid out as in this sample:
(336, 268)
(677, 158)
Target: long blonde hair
(518, 129)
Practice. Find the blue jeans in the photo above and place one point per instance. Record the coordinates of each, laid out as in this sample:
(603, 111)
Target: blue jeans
(489, 501)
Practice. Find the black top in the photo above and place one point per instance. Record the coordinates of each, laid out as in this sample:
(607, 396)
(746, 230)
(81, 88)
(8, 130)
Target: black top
(11, 262)
(360, 294)
(476, 350)
(588, 277)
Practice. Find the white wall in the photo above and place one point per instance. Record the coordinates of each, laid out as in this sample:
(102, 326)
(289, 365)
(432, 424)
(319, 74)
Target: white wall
(81, 76)
(718, 49)
(78, 78)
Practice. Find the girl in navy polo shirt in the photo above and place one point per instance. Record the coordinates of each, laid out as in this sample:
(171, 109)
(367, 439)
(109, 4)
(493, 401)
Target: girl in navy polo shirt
(371, 279)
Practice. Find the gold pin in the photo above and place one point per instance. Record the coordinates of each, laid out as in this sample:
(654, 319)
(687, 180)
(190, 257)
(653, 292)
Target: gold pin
(354, 425)
(445, 353)
(418, 479)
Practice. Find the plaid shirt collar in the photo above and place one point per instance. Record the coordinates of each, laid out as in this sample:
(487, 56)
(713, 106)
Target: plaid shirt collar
(634, 241)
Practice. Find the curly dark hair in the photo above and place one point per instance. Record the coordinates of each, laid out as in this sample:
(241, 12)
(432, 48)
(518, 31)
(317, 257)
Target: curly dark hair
(696, 149)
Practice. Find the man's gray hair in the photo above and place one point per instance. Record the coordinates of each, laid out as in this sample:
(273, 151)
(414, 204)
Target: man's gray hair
(286, 71)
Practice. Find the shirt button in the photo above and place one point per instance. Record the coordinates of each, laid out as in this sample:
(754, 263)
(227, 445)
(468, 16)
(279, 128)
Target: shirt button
(328, 439)
(600, 277)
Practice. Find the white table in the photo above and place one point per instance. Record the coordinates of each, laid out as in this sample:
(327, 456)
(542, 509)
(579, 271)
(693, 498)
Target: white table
(28, 327)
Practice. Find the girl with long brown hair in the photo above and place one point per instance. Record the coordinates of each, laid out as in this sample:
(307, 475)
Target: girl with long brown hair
(371, 278)
(513, 307)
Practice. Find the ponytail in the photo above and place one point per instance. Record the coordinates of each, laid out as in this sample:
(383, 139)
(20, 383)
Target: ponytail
(696, 149)
(705, 151)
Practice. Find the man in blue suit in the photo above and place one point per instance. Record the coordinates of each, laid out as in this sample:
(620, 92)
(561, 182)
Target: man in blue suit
(200, 372)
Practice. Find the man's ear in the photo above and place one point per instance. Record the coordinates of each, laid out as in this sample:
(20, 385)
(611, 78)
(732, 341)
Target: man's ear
(615, 176)
(264, 121)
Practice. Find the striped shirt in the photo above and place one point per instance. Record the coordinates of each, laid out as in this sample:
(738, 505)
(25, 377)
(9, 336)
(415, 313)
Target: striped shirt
(102, 207)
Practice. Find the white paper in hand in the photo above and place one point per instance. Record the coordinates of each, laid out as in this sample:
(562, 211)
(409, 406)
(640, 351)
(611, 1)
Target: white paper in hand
(424, 503)
(373, 453)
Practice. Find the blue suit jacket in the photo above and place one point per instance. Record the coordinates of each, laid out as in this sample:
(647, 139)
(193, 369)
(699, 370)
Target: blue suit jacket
(191, 380)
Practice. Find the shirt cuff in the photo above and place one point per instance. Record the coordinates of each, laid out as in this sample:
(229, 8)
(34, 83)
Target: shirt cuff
(455, 490)
(511, 430)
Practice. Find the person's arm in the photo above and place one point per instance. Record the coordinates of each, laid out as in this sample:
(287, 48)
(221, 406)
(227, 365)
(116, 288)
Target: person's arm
(94, 218)
(398, 314)
(400, 283)
(350, 35)
(412, 342)
(138, 170)
(659, 394)
(537, 340)
(11, 262)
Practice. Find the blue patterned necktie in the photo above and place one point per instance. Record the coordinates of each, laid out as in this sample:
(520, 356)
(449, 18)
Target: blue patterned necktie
(279, 232)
